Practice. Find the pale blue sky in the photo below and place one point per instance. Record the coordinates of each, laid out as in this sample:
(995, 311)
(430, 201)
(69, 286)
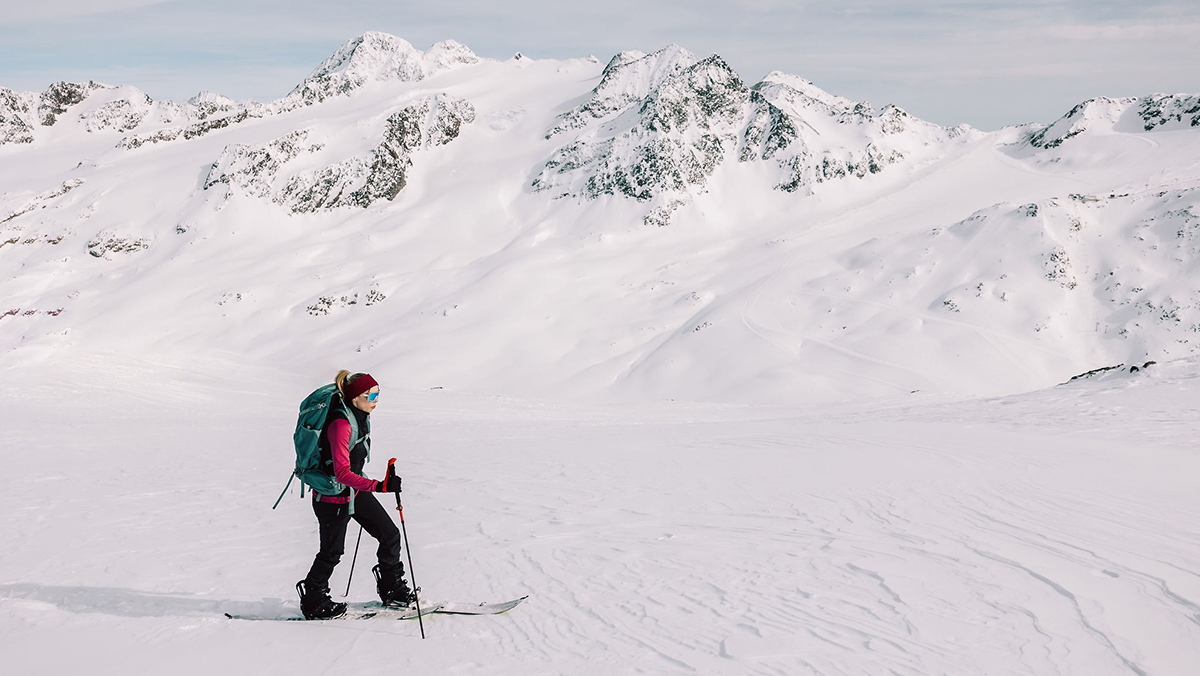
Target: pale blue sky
(977, 61)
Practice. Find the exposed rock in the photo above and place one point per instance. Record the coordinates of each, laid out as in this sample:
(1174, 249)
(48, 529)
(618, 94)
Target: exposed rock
(706, 95)
(660, 216)
(362, 181)
(445, 55)
(660, 124)
(253, 167)
(1119, 367)
(768, 131)
(358, 181)
(123, 114)
(16, 118)
(684, 127)
(627, 79)
(325, 304)
(1161, 111)
(185, 133)
(109, 243)
(62, 95)
(42, 200)
(209, 104)
(1102, 369)
(1103, 115)
(831, 138)
(373, 57)
(1058, 268)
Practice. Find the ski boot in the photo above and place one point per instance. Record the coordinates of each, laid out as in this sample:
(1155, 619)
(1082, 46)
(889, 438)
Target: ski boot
(393, 590)
(316, 604)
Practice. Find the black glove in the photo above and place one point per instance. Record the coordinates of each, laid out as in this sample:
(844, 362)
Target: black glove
(393, 482)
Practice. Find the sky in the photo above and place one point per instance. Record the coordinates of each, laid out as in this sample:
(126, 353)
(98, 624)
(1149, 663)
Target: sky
(981, 62)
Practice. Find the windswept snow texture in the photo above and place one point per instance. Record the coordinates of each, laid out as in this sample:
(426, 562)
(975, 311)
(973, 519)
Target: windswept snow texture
(1047, 533)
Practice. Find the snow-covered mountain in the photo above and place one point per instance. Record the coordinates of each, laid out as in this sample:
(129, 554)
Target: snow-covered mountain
(650, 227)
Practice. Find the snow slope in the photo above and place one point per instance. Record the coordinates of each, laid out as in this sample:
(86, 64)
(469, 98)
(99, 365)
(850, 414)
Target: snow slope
(1046, 533)
(650, 228)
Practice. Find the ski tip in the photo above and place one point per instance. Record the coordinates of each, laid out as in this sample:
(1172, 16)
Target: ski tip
(514, 601)
(229, 616)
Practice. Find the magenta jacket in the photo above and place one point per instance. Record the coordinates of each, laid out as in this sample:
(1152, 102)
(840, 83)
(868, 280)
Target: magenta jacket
(338, 435)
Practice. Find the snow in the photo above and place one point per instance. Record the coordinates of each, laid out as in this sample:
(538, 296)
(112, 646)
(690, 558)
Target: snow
(808, 413)
(1052, 532)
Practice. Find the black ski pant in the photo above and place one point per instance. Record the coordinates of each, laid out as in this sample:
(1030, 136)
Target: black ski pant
(333, 519)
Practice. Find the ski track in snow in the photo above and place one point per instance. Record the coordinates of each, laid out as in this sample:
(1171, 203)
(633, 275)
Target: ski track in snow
(1049, 533)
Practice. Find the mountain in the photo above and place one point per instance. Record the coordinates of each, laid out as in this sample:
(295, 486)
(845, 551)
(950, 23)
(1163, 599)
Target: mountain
(649, 227)
(659, 125)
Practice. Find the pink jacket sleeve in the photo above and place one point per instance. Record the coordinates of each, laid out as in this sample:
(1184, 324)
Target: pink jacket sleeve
(339, 442)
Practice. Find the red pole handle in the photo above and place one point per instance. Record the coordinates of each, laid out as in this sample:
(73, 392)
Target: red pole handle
(390, 471)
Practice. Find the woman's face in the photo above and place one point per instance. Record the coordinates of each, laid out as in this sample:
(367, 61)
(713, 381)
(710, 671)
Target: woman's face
(363, 401)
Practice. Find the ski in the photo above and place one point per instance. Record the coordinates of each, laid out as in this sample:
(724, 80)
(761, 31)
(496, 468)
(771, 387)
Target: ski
(385, 613)
(368, 611)
(453, 608)
(365, 611)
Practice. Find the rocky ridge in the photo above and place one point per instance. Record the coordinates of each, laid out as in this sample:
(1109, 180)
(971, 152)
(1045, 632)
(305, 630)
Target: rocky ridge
(1157, 112)
(373, 57)
(359, 181)
(121, 109)
(16, 117)
(657, 126)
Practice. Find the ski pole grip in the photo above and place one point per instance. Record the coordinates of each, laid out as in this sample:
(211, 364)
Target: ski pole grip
(391, 471)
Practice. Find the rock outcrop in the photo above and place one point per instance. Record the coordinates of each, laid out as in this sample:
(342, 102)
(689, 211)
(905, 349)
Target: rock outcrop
(16, 118)
(121, 114)
(657, 126)
(1176, 111)
(371, 57)
(1157, 112)
(358, 181)
(684, 113)
(60, 96)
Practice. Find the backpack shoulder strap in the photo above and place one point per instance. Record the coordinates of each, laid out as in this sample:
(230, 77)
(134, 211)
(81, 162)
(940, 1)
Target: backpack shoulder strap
(339, 409)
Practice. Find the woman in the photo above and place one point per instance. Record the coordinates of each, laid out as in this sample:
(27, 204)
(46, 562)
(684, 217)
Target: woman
(359, 391)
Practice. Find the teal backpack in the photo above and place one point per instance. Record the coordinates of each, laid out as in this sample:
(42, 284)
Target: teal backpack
(314, 411)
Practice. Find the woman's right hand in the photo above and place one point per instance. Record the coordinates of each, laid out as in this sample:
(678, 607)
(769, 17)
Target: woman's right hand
(393, 485)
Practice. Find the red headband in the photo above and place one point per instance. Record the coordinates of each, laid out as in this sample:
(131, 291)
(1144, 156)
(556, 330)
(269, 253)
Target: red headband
(360, 385)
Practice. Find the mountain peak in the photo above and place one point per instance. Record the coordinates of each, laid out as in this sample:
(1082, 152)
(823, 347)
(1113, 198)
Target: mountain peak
(806, 89)
(629, 76)
(375, 57)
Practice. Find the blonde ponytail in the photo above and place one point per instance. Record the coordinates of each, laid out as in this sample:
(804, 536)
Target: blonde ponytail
(340, 380)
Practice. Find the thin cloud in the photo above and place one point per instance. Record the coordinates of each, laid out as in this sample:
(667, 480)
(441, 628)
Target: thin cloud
(25, 11)
(1190, 32)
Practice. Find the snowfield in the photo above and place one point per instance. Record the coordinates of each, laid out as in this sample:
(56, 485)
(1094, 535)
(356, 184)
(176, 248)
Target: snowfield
(729, 378)
(1048, 533)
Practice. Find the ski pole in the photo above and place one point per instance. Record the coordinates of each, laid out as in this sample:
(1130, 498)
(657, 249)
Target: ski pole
(352, 561)
(407, 549)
